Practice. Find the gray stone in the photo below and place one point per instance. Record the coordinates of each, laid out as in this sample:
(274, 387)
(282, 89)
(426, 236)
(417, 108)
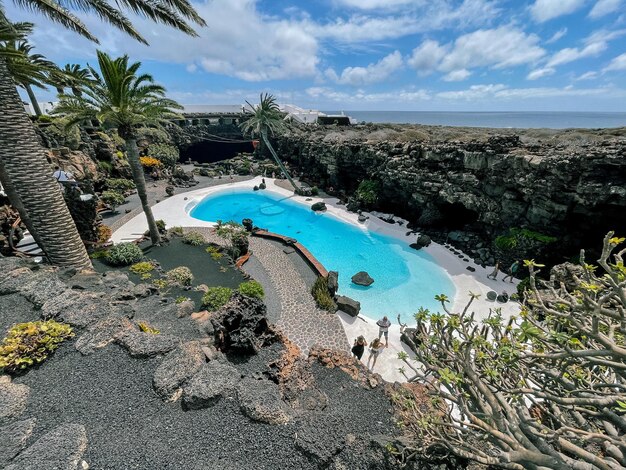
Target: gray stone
(143, 290)
(185, 308)
(362, 278)
(13, 437)
(318, 207)
(492, 295)
(101, 333)
(260, 400)
(15, 280)
(471, 269)
(177, 368)
(333, 282)
(348, 305)
(40, 289)
(142, 344)
(215, 380)
(13, 399)
(288, 251)
(60, 449)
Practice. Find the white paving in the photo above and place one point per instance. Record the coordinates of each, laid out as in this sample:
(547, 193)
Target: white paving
(175, 212)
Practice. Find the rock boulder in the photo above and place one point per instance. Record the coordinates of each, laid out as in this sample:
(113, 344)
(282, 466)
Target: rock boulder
(362, 278)
(348, 305)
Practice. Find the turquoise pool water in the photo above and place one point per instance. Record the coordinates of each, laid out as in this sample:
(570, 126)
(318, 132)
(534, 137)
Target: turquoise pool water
(404, 279)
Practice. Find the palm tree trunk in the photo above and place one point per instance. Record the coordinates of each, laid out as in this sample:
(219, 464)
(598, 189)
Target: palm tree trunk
(33, 99)
(25, 166)
(278, 162)
(140, 183)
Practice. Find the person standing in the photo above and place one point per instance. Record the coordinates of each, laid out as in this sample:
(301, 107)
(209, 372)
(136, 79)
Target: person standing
(359, 347)
(512, 271)
(375, 349)
(496, 270)
(383, 329)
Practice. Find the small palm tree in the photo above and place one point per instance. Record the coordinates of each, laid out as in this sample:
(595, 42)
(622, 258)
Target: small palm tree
(27, 68)
(118, 96)
(24, 169)
(72, 76)
(266, 119)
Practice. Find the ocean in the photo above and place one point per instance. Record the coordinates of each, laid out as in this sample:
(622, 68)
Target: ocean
(548, 119)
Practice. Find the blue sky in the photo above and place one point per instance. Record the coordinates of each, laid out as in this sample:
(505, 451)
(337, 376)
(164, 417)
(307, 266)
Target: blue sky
(433, 55)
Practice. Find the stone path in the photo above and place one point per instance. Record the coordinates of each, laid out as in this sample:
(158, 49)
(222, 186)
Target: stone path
(299, 318)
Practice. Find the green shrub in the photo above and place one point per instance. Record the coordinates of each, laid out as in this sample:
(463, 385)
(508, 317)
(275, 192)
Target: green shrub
(160, 225)
(193, 238)
(143, 267)
(181, 298)
(178, 231)
(112, 198)
(322, 296)
(214, 252)
(105, 167)
(181, 275)
(522, 287)
(27, 344)
(124, 254)
(367, 192)
(251, 289)
(167, 154)
(119, 184)
(216, 297)
(517, 235)
(315, 191)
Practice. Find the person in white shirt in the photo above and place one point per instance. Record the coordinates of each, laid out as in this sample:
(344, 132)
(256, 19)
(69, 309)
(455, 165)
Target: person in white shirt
(62, 176)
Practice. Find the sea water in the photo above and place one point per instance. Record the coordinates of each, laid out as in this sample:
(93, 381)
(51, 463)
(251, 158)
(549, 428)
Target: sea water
(404, 279)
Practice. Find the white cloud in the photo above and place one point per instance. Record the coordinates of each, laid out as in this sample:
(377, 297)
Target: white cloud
(618, 63)
(544, 10)
(540, 73)
(501, 47)
(416, 17)
(457, 75)
(427, 56)
(373, 73)
(240, 41)
(191, 68)
(604, 7)
(360, 96)
(570, 54)
(374, 4)
(502, 92)
(556, 36)
(588, 76)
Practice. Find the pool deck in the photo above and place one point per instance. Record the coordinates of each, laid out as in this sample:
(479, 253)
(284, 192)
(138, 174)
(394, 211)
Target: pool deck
(171, 211)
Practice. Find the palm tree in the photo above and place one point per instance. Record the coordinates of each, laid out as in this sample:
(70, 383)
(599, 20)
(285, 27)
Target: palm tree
(266, 119)
(119, 97)
(28, 69)
(23, 165)
(72, 76)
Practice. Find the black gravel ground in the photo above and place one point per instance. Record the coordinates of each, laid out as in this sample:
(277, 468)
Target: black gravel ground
(15, 309)
(129, 427)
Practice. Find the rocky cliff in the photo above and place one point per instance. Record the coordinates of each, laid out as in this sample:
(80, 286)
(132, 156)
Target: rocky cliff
(568, 184)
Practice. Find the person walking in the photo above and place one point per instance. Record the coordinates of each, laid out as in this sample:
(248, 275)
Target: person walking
(496, 270)
(375, 349)
(359, 347)
(512, 271)
(383, 329)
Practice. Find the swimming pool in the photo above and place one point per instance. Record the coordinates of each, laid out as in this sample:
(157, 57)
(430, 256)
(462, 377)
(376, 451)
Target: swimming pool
(404, 279)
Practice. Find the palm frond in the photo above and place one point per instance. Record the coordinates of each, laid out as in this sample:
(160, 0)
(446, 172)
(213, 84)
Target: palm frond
(55, 12)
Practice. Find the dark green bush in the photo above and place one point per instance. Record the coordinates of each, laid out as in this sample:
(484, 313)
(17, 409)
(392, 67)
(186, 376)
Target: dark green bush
(112, 198)
(367, 192)
(518, 235)
(522, 287)
(193, 238)
(251, 289)
(216, 297)
(167, 154)
(124, 254)
(119, 184)
(322, 296)
(27, 344)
